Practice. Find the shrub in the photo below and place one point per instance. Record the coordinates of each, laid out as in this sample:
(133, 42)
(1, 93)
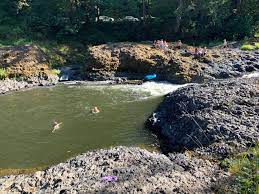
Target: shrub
(3, 73)
(244, 168)
(55, 71)
(247, 47)
(257, 45)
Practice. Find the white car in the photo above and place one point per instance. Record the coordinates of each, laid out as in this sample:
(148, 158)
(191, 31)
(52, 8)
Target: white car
(106, 19)
(130, 18)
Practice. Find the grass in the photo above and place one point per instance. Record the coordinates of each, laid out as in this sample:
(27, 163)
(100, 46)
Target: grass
(250, 47)
(247, 47)
(5, 172)
(55, 71)
(59, 54)
(245, 170)
(3, 73)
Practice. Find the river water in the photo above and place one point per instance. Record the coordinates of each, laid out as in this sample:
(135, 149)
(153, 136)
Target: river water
(26, 117)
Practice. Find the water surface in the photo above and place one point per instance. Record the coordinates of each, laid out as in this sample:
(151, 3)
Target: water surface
(26, 119)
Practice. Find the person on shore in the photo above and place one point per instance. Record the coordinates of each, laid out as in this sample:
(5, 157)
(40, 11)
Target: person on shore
(205, 51)
(179, 44)
(225, 43)
(55, 126)
(166, 46)
(95, 110)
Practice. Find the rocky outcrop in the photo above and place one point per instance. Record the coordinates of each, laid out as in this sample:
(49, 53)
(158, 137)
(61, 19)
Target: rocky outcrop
(106, 61)
(176, 65)
(25, 61)
(28, 66)
(137, 170)
(220, 117)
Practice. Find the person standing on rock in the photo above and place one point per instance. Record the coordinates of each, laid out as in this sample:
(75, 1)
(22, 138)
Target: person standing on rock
(225, 43)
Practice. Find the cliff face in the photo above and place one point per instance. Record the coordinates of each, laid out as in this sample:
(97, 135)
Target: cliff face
(175, 65)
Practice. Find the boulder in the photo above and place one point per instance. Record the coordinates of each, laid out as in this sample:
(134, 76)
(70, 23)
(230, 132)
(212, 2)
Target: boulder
(219, 117)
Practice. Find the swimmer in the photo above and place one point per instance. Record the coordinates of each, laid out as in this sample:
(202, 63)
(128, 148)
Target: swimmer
(56, 126)
(95, 110)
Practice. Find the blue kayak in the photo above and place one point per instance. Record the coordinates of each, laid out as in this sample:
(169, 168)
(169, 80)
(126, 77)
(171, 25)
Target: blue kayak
(150, 76)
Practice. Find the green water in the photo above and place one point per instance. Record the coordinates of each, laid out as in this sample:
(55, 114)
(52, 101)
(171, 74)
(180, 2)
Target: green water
(26, 119)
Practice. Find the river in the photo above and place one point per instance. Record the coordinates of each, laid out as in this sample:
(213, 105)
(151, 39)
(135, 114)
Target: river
(26, 117)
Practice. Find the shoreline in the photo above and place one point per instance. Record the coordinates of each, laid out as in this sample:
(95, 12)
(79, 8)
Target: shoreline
(198, 167)
(138, 170)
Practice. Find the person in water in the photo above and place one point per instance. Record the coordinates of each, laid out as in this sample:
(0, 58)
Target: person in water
(55, 126)
(95, 110)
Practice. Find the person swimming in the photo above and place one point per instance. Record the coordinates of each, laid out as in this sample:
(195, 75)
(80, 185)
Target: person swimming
(95, 110)
(55, 126)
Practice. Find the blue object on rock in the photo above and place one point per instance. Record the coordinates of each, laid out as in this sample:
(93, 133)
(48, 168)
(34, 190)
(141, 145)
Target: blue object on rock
(150, 76)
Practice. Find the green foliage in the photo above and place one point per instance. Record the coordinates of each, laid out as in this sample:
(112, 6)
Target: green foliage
(3, 73)
(247, 47)
(56, 71)
(257, 45)
(65, 20)
(244, 167)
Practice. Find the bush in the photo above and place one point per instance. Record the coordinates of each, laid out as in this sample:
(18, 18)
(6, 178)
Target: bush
(257, 45)
(244, 168)
(247, 47)
(3, 73)
(56, 71)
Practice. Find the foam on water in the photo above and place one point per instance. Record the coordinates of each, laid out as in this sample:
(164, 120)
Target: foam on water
(143, 91)
(251, 75)
(150, 89)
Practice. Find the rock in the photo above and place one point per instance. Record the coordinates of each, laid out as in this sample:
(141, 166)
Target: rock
(69, 73)
(218, 117)
(28, 66)
(26, 61)
(106, 61)
(138, 171)
(141, 59)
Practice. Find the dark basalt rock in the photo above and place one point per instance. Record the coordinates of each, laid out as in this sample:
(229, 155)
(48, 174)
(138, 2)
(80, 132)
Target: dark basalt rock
(220, 117)
(137, 170)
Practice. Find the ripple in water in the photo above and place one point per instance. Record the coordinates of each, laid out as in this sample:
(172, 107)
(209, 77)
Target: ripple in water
(26, 121)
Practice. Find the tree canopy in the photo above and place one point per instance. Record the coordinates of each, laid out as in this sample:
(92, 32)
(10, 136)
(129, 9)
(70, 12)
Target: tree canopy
(168, 19)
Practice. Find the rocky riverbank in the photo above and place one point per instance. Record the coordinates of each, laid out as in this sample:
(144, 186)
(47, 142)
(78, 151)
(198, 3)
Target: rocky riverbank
(9, 85)
(137, 170)
(219, 117)
(27, 66)
(211, 120)
(177, 65)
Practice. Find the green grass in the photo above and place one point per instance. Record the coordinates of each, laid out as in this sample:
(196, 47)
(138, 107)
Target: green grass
(56, 71)
(247, 47)
(245, 170)
(257, 45)
(3, 73)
